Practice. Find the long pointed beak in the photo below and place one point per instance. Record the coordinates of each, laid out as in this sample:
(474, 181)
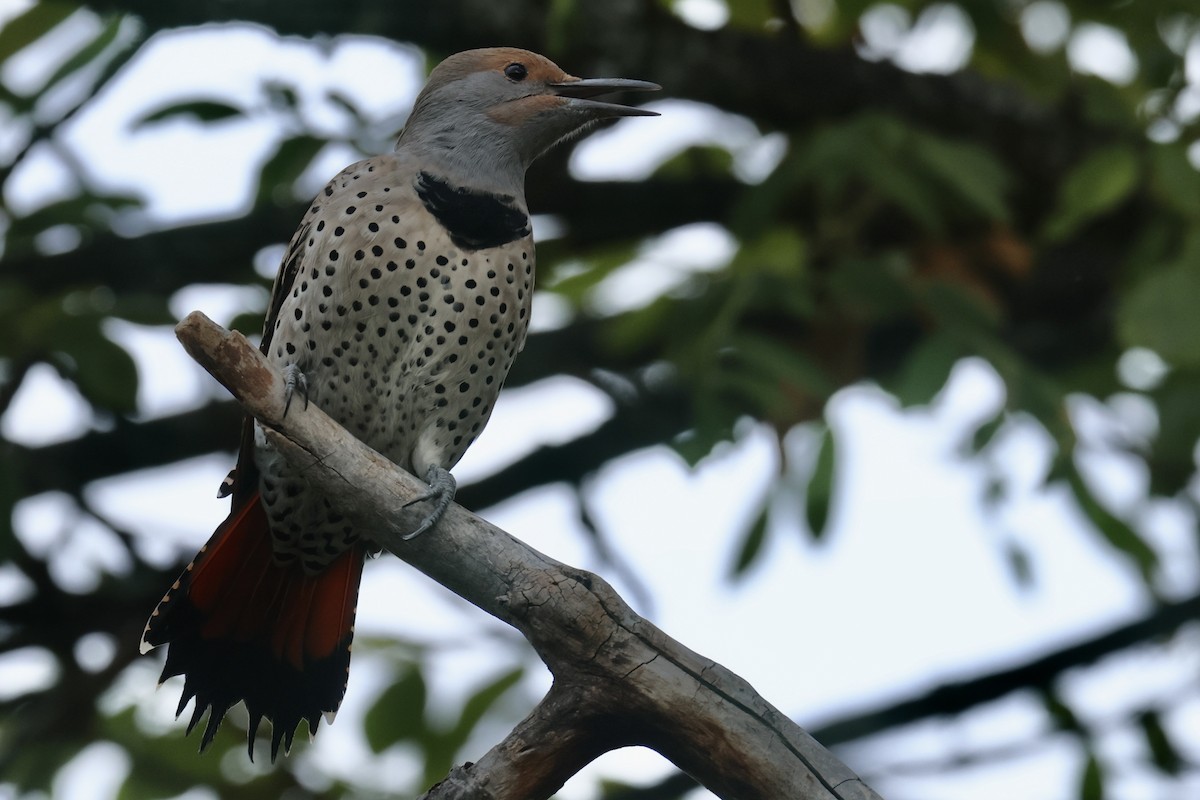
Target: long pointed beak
(581, 91)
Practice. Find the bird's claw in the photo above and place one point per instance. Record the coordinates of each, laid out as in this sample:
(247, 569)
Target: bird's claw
(294, 381)
(442, 487)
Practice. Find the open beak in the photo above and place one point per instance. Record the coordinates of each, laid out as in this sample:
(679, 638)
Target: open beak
(581, 92)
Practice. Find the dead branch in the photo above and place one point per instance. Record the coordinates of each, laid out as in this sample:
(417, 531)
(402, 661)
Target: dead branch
(618, 680)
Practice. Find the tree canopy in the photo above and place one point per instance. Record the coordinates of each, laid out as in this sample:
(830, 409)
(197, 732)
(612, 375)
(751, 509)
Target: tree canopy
(1030, 200)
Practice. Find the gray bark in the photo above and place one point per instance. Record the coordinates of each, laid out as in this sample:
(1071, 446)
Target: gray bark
(618, 680)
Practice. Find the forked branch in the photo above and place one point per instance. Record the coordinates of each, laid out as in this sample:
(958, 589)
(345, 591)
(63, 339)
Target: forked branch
(618, 680)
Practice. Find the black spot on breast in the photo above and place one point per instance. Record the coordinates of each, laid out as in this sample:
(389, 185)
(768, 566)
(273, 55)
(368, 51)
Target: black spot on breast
(474, 220)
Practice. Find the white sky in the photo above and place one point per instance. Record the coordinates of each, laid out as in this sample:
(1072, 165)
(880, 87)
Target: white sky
(909, 588)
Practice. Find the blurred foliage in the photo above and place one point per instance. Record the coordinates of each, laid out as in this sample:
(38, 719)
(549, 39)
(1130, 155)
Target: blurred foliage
(1044, 221)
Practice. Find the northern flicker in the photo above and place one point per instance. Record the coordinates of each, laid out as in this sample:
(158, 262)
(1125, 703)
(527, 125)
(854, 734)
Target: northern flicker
(398, 309)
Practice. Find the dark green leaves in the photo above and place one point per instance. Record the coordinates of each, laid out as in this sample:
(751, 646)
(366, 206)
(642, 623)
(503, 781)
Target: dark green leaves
(1091, 782)
(1118, 533)
(195, 110)
(31, 25)
(1163, 752)
(926, 369)
(399, 715)
(930, 179)
(751, 543)
(281, 171)
(1094, 186)
(1160, 312)
(68, 333)
(82, 212)
(819, 496)
(102, 370)
(1175, 180)
(816, 496)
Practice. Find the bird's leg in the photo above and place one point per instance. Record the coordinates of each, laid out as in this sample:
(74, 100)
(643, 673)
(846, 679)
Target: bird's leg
(442, 487)
(294, 381)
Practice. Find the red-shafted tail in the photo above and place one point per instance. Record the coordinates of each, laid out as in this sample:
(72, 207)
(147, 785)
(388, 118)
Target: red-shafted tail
(240, 626)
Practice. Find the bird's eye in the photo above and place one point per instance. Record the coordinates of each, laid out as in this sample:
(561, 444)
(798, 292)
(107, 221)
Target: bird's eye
(516, 72)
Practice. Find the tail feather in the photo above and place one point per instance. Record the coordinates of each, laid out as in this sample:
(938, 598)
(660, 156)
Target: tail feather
(241, 627)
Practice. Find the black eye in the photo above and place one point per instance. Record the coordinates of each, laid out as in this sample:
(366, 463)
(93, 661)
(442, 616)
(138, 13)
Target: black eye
(516, 72)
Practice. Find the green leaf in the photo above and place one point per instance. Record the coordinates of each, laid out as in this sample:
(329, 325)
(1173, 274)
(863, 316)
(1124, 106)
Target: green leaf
(696, 161)
(34, 765)
(969, 172)
(282, 169)
(441, 749)
(1162, 751)
(986, 432)
(1172, 461)
(695, 445)
(910, 192)
(84, 209)
(1019, 564)
(143, 783)
(143, 308)
(104, 373)
(11, 485)
(750, 14)
(964, 314)
(398, 713)
(281, 96)
(248, 323)
(927, 369)
(752, 542)
(1064, 718)
(1114, 530)
(347, 105)
(1094, 186)
(28, 27)
(819, 496)
(88, 53)
(483, 700)
(1091, 783)
(781, 364)
(1160, 313)
(584, 276)
(873, 289)
(631, 331)
(199, 110)
(1174, 180)
(780, 251)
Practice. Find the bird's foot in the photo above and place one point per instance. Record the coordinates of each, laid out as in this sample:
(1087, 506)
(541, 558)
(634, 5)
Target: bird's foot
(442, 487)
(294, 382)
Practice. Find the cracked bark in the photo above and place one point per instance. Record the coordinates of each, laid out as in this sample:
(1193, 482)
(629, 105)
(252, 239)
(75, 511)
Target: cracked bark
(618, 679)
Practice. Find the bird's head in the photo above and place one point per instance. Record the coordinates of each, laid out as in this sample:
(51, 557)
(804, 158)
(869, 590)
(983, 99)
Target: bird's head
(508, 106)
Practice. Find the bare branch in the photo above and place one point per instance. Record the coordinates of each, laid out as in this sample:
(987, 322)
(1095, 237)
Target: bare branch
(618, 680)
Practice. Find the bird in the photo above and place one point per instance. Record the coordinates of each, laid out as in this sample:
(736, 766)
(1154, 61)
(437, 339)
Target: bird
(398, 308)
